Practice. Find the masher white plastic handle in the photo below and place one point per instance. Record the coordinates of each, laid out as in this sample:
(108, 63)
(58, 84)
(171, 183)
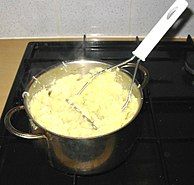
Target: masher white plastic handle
(159, 30)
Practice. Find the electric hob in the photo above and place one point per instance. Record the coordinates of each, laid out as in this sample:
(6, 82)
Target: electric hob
(163, 152)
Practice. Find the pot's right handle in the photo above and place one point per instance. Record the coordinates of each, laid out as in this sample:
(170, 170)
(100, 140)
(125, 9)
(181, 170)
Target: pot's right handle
(144, 72)
(13, 130)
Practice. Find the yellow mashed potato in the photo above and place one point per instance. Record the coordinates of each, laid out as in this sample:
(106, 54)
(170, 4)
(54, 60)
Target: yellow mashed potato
(101, 101)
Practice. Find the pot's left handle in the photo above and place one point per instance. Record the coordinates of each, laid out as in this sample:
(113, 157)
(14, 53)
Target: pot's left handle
(13, 130)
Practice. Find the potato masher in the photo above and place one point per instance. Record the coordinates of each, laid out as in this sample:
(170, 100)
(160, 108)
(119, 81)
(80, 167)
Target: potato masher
(147, 45)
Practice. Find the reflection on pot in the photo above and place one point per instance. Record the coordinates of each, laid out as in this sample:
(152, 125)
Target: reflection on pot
(82, 155)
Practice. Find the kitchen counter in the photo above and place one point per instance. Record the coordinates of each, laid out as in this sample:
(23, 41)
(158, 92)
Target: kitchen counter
(11, 53)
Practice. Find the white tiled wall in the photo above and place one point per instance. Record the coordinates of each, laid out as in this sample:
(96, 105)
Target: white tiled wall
(42, 18)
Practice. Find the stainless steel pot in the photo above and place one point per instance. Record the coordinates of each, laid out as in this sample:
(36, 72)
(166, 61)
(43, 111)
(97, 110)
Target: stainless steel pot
(80, 155)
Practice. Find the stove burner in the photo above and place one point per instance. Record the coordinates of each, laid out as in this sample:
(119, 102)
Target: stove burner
(189, 62)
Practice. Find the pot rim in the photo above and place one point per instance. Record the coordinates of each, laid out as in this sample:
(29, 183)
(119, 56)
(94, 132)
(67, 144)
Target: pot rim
(72, 62)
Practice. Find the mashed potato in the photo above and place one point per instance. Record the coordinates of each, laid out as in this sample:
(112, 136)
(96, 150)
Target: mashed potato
(101, 101)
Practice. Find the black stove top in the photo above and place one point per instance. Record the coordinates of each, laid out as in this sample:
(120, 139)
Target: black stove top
(163, 153)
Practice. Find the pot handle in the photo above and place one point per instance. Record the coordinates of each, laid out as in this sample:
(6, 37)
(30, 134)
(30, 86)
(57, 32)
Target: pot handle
(13, 130)
(144, 72)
